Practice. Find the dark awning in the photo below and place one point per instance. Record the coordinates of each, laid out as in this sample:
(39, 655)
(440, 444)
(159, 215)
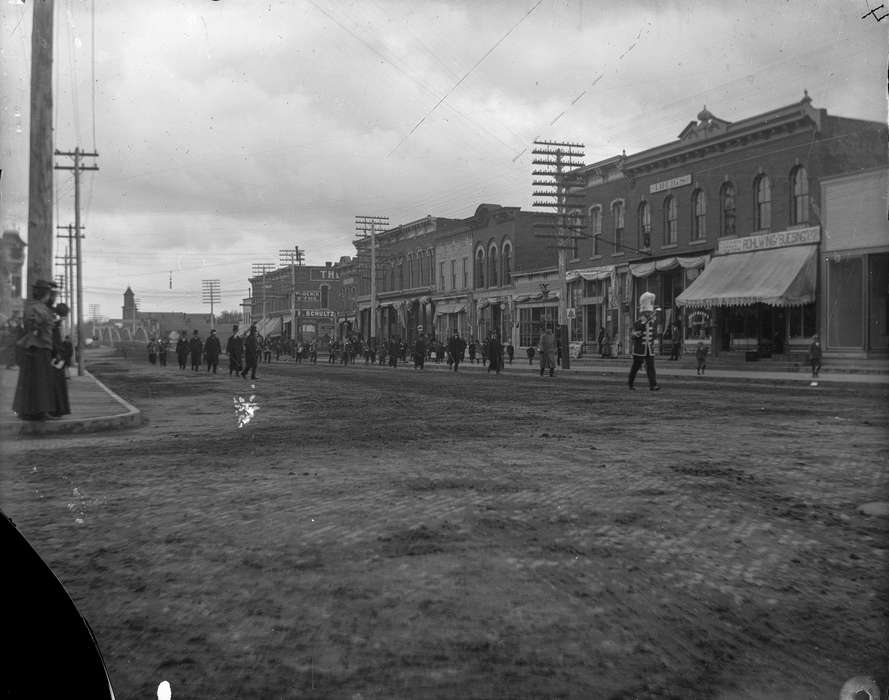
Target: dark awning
(778, 277)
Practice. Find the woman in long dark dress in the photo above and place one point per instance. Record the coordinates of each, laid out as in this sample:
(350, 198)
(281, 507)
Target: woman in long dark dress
(62, 406)
(34, 398)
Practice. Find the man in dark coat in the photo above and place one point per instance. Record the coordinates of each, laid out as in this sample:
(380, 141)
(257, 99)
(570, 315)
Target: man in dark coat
(419, 349)
(456, 348)
(251, 353)
(394, 351)
(643, 339)
(495, 353)
(234, 348)
(212, 350)
(162, 347)
(196, 347)
(182, 350)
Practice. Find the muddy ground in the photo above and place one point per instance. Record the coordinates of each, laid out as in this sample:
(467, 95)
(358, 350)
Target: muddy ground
(379, 533)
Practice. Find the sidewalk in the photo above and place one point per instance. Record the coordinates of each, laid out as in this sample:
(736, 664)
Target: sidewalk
(94, 407)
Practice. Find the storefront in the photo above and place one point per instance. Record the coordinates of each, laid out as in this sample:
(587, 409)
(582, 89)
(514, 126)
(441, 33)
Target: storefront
(450, 316)
(758, 293)
(535, 313)
(666, 279)
(588, 292)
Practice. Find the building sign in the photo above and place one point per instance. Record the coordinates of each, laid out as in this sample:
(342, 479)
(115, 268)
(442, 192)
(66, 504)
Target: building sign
(590, 301)
(781, 239)
(315, 313)
(308, 295)
(670, 184)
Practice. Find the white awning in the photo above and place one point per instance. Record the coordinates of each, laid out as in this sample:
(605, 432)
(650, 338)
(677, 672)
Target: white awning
(269, 327)
(449, 307)
(648, 268)
(593, 273)
(778, 277)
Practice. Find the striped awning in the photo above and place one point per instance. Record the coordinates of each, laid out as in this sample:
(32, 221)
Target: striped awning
(449, 307)
(590, 274)
(777, 277)
(648, 268)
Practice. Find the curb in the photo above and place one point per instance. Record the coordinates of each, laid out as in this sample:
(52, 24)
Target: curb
(131, 418)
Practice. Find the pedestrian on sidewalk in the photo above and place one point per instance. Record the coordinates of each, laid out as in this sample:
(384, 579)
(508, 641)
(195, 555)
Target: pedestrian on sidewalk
(456, 349)
(510, 351)
(61, 404)
(814, 357)
(212, 351)
(33, 398)
(195, 347)
(495, 352)
(67, 353)
(643, 338)
(530, 352)
(419, 349)
(152, 351)
(701, 357)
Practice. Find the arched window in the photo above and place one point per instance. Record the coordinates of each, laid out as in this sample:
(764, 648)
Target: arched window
(399, 278)
(699, 207)
(617, 213)
(727, 209)
(492, 267)
(762, 213)
(643, 222)
(480, 269)
(671, 216)
(596, 227)
(799, 193)
(507, 263)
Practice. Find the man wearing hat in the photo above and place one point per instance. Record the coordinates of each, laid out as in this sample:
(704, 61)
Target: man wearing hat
(234, 348)
(212, 350)
(196, 347)
(643, 339)
(251, 353)
(419, 349)
(34, 392)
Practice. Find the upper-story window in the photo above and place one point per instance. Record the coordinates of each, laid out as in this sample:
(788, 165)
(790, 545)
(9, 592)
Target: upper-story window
(506, 259)
(441, 277)
(493, 261)
(671, 217)
(410, 270)
(480, 269)
(799, 192)
(596, 227)
(699, 223)
(465, 273)
(453, 274)
(643, 220)
(727, 209)
(762, 213)
(617, 212)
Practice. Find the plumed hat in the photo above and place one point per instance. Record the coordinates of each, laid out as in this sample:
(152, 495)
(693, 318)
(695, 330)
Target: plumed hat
(646, 302)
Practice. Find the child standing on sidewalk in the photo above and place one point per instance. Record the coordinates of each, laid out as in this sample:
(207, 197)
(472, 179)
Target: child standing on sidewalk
(701, 355)
(815, 358)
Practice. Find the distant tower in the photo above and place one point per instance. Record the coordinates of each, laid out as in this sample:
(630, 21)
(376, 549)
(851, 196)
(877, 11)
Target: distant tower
(129, 305)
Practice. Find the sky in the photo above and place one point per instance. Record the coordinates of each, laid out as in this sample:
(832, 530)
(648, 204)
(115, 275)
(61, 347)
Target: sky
(229, 130)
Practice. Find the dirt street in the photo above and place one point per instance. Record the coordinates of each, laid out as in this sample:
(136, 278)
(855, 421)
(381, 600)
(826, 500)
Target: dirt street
(380, 533)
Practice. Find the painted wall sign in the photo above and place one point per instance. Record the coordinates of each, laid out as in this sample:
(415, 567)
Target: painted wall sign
(673, 182)
(780, 239)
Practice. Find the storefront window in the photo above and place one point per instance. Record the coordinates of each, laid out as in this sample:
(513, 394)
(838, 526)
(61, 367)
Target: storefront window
(532, 321)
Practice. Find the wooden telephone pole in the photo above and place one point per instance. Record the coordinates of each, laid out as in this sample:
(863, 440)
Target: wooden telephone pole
(40, 226)
(368, 226)
(78, 167)
(566, 223)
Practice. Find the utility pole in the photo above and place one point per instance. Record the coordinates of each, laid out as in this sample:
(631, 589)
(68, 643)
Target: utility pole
(293, 258)
(368, 226)
(40, 174)
(77, 168)
(210, 295)
(260, 270)
(68, 259)
(566, 222)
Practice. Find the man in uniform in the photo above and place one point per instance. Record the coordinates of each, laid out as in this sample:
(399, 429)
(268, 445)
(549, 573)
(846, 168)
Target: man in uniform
(643, 338)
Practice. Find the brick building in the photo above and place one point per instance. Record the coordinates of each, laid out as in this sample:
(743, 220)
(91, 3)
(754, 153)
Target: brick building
(445, 274)
(723, 225)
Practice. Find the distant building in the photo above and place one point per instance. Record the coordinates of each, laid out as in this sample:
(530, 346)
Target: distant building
(12, 261)
(303, 302)
(135, 325)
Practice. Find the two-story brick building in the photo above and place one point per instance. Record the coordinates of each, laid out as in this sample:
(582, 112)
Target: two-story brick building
(446, 274)
(723, 225)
